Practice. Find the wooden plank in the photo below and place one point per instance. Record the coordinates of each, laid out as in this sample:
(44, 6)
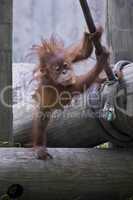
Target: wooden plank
(72, 174)
(5, 69)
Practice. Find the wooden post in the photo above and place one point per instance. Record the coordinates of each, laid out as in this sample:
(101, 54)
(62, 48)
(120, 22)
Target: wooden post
(5, 70)
(120, 29)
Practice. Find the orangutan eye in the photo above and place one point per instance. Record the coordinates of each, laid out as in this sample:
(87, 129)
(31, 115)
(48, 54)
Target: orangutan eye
(65, 65)
(57, 68)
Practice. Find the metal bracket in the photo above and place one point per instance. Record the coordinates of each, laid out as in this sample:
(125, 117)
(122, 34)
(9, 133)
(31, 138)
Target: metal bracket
(109, 108)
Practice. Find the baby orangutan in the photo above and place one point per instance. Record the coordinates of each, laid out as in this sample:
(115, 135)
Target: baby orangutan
(58, 82)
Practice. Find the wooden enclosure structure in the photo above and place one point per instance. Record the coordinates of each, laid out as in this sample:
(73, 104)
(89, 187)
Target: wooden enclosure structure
(73, 174)
(6, 114)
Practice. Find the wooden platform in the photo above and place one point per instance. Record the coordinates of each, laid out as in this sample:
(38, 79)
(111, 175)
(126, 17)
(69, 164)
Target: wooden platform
(73, 174)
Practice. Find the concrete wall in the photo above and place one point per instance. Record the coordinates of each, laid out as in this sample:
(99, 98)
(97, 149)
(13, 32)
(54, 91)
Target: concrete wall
(120, 29)
(34, 19)
(5, 67)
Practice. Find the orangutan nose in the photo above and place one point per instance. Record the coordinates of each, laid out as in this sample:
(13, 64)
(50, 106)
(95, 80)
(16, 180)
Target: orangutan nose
(64, 71)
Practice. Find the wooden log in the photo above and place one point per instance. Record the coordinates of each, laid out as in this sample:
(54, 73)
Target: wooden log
(73, 127)
(76, 127)
(120, 130)
(63, 131)
(72, 174)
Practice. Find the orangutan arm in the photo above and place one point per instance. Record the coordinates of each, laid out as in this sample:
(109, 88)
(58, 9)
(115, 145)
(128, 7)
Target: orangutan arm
(80, 51)
(84, 48)
(85, 81)
(39, 135)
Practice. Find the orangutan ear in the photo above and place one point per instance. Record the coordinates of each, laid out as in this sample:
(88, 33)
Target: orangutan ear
(39, 74)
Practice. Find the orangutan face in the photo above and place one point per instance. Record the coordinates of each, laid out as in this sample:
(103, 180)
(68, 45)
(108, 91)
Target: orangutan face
(55, 63)
(60, 71)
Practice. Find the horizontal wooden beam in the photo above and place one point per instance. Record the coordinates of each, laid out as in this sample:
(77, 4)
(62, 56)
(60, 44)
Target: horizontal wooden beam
(73, 174)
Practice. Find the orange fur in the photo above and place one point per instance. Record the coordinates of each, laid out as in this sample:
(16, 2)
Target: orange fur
(55, 70)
